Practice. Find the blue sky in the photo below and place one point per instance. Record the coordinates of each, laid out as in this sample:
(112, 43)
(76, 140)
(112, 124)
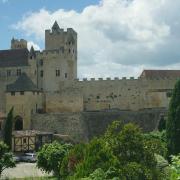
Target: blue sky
(12, 11)
(116, 38)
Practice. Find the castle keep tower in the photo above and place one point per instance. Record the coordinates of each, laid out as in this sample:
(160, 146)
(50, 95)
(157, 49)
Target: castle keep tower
(58, 62)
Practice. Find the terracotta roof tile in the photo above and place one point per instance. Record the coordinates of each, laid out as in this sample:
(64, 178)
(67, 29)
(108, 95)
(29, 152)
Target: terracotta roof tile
(160, 74)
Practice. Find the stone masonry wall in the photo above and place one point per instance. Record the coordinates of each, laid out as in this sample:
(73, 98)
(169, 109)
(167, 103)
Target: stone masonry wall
(83, 126)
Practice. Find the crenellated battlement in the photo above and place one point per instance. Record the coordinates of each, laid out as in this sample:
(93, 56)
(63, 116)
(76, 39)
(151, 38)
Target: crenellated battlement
(18, 44)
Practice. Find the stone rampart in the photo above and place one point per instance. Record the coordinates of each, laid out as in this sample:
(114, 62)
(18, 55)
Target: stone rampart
(84, 126)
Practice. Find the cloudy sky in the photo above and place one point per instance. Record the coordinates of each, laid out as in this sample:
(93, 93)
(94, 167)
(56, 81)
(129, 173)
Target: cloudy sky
(115, 37)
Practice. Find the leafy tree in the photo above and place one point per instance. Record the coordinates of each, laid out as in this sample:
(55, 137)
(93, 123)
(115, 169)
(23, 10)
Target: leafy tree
(173, 122)
(97, 155)
(175, 167)
(8, 128)
(71, 159)
(50, 157)
(6, 158)
(156, 141)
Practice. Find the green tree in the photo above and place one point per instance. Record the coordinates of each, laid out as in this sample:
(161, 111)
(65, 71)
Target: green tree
(175, 167)
(173, 122)
(97, 155)
(71, 159)
(50, 157)
(6, 158)
(8, 128)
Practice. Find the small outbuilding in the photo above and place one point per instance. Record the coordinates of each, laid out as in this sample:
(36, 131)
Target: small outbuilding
(29, 140)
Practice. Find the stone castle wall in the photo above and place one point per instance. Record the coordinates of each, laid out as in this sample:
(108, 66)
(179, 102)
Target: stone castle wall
(85, 125)
(122, 94)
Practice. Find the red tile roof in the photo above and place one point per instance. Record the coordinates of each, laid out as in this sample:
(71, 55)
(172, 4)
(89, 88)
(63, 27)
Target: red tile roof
(160, 74)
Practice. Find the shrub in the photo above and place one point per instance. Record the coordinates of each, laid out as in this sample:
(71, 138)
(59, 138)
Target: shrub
(50, 157)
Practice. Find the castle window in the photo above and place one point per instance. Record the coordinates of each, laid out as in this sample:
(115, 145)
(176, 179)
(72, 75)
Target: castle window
(12, 93)
(22, 93)
(65, 75)
(57, 72)
(41, 73)
(41, 62)
(8, 72)
(69, 50)
(18, 72)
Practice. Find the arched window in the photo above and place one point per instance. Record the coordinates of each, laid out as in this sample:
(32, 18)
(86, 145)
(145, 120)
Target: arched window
(18, 126)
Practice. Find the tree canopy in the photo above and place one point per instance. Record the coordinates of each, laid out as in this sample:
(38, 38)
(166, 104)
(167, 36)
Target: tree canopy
(173, 122)
(6, 158)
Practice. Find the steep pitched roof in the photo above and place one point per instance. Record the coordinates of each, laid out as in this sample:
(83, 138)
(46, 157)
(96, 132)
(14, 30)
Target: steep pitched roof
(160, 74)
(55, 26)
(23, 83)
(14, 57)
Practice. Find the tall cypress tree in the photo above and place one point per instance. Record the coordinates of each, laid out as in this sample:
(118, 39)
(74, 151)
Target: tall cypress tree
(173, 122)
(8, 128)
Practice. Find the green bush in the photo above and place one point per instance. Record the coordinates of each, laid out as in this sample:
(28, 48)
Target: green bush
(6, 158)
(50, 157)
(175, 167)
(97, 155)
(71, 159)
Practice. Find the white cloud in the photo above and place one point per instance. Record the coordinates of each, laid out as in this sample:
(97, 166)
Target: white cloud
(117, 37)
(35, 46)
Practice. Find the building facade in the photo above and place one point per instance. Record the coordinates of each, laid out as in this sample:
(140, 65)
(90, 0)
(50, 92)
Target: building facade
(46, 82)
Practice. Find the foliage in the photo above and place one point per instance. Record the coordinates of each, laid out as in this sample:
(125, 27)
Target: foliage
(8, 128)
(6, 158)
(97, 154)
(71, 159)
(163, 166)
(173, 122)
(124, 152)
(50, 157)
(175, 167)
(156, 141)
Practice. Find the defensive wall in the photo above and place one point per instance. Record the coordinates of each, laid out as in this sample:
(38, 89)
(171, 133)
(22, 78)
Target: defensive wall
(83, 126)
(103, 94)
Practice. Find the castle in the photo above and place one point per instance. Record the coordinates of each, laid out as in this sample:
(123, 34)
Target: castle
(45, 82)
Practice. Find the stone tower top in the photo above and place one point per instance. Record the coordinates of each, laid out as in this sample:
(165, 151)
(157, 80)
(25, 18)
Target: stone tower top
(58, 38)
(55, 27)
(18, 44)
